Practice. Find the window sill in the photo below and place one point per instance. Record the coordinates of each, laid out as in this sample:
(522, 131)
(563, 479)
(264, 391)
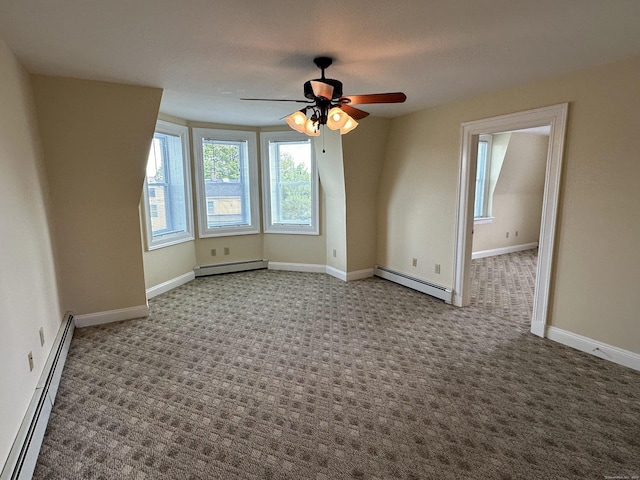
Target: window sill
(283, 230)
(229, 231)
(482, 220)
(169, 242)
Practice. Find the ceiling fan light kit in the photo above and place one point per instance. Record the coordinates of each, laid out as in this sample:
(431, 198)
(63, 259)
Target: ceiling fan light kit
(328, 106)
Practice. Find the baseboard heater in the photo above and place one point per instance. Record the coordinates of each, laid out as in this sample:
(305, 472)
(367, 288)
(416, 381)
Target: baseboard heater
(423, 286)
(24, 453)
(220, 268)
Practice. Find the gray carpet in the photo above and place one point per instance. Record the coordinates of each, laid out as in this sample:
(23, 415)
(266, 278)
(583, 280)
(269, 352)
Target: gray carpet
(276, 375)
(504, 285)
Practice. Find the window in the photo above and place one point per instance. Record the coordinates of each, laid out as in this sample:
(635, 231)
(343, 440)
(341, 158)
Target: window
(290, 183)
(167, 191)
(483, 178)
(226, 165)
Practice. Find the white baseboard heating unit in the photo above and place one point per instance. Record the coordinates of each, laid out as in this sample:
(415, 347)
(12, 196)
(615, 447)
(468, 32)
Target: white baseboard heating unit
(231, 267)
(423, 286)
(24, 453)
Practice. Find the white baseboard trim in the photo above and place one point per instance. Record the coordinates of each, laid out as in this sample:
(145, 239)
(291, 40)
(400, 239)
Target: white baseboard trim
(99, 318)
(594, 347)
(538, 329)
(503, 250)
(298, 267)
(23, 456)
(418, 284)
(317, 268)
(359, 274)
(170, 284)
(334, 272)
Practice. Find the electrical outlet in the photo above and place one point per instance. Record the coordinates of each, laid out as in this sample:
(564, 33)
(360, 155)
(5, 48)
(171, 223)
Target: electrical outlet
(226, 250)
(30, 361)
(335, 253)
(415, 262)
(437, 268)
(41, 336)
(213, 252)
(516, 233)
(506, 235)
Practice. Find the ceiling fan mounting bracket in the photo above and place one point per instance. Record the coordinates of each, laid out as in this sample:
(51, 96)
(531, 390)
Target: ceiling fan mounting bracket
(322, 63)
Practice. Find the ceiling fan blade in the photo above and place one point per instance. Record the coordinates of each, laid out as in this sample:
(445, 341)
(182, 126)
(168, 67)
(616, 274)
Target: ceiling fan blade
(353, 112)
(393, 97)
(277, 100)
(321, 89)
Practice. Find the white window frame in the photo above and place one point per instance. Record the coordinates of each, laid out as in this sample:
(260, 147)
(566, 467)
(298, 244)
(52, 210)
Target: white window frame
(269, 225)
(186, 235)
(200, 134)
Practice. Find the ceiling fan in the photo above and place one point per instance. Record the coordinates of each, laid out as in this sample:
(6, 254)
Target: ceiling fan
(328, 106)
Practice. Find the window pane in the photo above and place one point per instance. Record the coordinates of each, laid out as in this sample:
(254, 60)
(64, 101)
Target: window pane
(290, 172)
(225, 169)
(290, 184)
(165, 184)
(167, 199)
(481, 180)
(226, 182)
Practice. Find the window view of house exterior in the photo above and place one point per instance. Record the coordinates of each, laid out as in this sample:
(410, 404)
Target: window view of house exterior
(226, 166)
(167, 193)
(226, 183)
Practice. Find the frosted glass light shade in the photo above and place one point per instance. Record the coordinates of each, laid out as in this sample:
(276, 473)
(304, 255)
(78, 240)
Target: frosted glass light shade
(336, 118)
(297, 121)
(348, 126)
(312, 128)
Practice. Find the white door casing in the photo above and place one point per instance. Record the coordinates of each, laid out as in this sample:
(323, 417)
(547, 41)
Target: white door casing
(554, 116)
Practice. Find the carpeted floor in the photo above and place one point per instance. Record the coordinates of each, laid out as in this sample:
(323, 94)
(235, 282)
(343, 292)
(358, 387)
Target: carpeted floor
(279, 375)
(504, 285)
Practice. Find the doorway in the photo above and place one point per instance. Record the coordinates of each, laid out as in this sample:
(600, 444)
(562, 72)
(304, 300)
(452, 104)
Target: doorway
(507, 216)
(555, 117)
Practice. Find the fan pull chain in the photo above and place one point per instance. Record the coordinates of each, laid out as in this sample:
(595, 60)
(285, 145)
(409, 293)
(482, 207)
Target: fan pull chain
(323, 151)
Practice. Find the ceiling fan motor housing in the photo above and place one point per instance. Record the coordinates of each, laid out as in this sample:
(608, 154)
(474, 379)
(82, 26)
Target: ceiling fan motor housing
(336, 84)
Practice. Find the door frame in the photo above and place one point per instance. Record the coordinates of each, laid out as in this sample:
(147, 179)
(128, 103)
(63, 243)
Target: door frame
(554, 116)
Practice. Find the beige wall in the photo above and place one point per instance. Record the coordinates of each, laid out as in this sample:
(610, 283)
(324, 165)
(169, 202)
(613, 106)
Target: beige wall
(306, 249)
(96, 139)
(164, 264)
(417, 195)
(594, 278)
(363, 150)
(331, 171)
(517, 196)
(28, 289)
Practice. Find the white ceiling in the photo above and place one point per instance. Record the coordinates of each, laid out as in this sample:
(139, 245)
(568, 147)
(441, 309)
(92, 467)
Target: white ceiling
(208, 54)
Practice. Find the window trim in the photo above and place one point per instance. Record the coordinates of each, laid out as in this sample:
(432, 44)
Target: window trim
(186, 235)
(200, 134)
(291, 229)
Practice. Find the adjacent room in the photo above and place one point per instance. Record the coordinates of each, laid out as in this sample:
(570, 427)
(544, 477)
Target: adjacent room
(285, 241)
